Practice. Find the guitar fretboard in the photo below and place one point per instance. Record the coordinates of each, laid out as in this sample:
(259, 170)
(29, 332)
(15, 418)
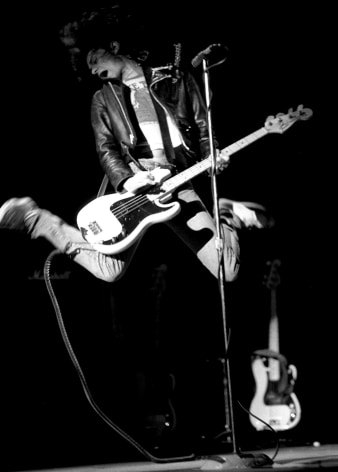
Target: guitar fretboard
(274, 364)
(274, 325)
(174, 182)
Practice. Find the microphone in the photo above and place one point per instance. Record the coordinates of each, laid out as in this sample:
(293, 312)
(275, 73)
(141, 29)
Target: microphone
(196, 61)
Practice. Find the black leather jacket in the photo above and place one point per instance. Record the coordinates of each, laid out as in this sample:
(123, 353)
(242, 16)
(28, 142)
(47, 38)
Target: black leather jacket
(116, 130)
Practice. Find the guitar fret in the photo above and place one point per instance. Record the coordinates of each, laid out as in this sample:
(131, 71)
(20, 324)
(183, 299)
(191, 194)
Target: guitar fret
(186, 175)
(238, 145)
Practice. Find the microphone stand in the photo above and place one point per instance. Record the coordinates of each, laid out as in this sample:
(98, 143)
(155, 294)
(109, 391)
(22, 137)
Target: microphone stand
(229, 416)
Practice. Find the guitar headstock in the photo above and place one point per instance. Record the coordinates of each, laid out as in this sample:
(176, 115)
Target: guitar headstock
(281, 122)
(272, 279)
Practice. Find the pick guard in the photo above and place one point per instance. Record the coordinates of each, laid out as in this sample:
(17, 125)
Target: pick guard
(280, 411)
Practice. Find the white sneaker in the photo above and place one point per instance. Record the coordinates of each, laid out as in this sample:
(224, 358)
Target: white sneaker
(245, 214)
(14, 212)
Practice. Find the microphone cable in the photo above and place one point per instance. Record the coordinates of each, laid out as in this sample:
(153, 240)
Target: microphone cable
(81, 375)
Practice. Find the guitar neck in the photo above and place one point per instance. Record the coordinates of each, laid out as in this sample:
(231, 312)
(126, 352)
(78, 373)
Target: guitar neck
(274, 337)
(273, 125)
(174, 182)
(274, 325)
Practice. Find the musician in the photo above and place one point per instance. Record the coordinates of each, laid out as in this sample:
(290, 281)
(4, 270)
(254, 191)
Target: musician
(144, 118)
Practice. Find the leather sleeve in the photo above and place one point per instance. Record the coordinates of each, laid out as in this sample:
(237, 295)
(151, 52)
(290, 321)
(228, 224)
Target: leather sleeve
(108, 146)
(200, 116)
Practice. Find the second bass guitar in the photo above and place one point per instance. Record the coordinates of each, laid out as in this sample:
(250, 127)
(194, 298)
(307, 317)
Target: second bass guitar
(274, 404)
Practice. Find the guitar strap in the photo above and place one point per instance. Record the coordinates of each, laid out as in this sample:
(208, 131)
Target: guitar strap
(103, 186)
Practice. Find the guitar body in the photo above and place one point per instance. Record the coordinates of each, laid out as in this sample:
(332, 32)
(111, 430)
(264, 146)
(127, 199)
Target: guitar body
(281, 411)
(113, 223)
(274, 404)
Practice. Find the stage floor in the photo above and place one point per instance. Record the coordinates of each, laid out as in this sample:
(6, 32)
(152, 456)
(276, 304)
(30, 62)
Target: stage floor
(306, 458)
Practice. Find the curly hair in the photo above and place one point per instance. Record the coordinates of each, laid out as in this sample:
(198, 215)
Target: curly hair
(96, 28)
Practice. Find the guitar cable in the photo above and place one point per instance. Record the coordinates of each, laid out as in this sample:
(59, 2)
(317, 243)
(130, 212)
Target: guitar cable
(81, 375)
(268, 426)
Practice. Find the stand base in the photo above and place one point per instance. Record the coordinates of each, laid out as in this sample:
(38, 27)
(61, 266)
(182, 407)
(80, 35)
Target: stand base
(232, 462)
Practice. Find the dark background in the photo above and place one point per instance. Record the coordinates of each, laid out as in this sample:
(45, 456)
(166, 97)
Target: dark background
(130, 347)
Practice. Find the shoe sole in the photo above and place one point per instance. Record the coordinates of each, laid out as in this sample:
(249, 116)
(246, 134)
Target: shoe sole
(9, 203)
(254, 206)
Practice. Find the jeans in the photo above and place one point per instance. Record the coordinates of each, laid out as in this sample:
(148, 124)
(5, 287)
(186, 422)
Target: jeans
(193, 225)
